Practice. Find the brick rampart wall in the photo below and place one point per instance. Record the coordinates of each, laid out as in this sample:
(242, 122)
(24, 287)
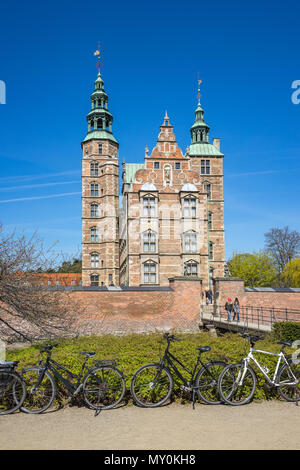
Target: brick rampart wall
(124, 311)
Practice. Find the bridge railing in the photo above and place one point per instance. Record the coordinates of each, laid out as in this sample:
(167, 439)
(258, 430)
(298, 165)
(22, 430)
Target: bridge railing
(263, 315)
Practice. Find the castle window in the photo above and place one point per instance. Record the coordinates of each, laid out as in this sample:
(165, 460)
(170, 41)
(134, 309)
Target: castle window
(110, 278)
(207, 189)
(94, 169)
(205, 167)
(156, 165)
(177, 166)
(94, 191)
(190, 242)
(211, 250)
(191, 268)
(149, 242)
(94, 260)
(189, 207)
(94, 280)
(149, 206)
(149, 272)
(94, 235)
(100, 149)
(210, 220)
(94, 210)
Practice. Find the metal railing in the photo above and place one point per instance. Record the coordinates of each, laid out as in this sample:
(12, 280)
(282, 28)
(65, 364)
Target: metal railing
(258, 316)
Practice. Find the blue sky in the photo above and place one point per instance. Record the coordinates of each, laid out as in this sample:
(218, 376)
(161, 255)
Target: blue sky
(247, 55)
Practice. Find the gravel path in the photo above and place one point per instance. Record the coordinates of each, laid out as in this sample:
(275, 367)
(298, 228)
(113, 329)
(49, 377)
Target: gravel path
(267, 425)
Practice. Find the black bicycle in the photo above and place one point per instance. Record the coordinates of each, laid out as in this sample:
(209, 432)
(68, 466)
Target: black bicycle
(102, 386)
(152, 384)
(12, 388)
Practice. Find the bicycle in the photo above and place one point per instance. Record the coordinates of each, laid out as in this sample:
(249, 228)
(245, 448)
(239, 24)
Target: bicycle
(237, 382)
(152, 384)
(102, 386)
(12, 388)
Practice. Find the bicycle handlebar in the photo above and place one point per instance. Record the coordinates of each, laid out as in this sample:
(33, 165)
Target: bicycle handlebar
(169, 337)
(48, 348)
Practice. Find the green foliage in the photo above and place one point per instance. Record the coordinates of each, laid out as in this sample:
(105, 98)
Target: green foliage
(257, 268)
(72, 266)
(132, 351)
(286, 331)
(291, 273)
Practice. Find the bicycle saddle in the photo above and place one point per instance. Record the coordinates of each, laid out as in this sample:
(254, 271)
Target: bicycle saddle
(49, 347)
(88, 354)
(203, 348)
(285, 343)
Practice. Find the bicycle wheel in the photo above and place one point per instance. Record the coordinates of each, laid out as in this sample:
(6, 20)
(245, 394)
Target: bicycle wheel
(289, 392)
(231, 390)
(12, 391)
(103, 388)
(207, 382)
(151, 385)
(39, 396)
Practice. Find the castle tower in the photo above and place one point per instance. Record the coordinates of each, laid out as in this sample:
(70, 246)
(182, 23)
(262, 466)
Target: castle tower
(100, 195)
(207, 160)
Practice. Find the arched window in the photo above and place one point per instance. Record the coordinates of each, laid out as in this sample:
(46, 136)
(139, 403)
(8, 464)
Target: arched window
(189, 207)
(94, 258)
(94, 234)
(150, 272)
(190, 242)
(94, 189)
(149, 242)
(94, 210)
(191, 268)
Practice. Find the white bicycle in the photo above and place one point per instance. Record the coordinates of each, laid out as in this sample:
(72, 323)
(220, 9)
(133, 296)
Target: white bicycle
(237, 381)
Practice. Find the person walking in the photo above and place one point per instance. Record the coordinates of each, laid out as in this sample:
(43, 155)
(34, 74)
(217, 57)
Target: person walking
(229, 308)
(236, 309)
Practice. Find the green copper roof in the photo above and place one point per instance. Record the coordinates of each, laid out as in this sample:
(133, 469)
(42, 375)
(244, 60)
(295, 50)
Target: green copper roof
(99, 111)
(204, 150)
(130, 171)
(99, 135)
(199, 124)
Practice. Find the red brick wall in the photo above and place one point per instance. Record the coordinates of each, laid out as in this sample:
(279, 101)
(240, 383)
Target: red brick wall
(266, 300)
(140, 311)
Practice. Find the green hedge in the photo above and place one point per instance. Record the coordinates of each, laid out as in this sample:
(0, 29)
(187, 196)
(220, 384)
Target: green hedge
(134, 350)
(286, 331)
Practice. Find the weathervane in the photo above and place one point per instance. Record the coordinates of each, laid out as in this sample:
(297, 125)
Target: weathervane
(97, 53)
(199, 83)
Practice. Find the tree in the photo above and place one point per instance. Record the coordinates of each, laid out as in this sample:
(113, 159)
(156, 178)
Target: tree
(72, 266)
(27, 309)
(291, 273)
(257, 268)
(284, 245)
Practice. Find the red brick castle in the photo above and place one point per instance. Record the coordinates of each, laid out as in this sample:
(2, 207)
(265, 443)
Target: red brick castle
(171, 220)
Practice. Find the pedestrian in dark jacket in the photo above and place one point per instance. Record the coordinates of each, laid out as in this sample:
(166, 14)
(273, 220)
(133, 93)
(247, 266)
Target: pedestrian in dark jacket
(229, 308)
(236, 309)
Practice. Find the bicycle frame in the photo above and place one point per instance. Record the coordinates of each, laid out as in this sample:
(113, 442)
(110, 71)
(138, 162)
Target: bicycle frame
(53, 366)
(168, 358)
(281, 357)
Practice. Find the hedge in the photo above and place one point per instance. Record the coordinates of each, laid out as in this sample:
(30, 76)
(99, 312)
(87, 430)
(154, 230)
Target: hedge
(132, 351)
(286, 331)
